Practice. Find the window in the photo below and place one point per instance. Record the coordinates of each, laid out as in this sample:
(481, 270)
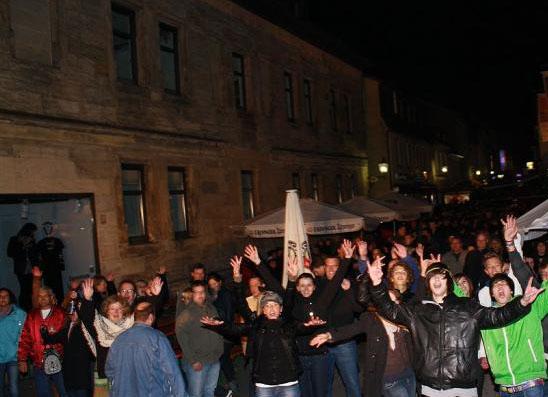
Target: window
(395, 102)
(247, 194)
(338, 186)
(333, 110)
(315, 188)
(169, 58)
(289, 103)
(347, 114)
(296, 180)
(353, 186)
(31, 26)
(177, 201)
(307, 91)
(123, 37)
(238, 76)
(134, 207)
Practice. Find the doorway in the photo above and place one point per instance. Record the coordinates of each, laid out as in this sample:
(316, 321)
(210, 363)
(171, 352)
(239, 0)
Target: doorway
(74, 224)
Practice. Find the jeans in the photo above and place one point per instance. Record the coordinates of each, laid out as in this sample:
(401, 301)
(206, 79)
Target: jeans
(201, 383)
(43, 383)
(403, 387)
(13, 377)
(278, 391)
(313, 382)
(537, 391)
(79, 393)
(345, 358)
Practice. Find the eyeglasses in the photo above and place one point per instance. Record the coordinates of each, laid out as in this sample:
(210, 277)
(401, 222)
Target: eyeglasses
(127, 291)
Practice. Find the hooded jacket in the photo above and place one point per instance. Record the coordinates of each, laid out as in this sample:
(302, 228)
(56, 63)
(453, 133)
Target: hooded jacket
(515, 352)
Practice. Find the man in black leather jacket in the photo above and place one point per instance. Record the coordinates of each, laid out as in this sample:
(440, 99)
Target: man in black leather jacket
(445, 329)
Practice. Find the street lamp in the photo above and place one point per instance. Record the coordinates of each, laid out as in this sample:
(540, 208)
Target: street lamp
(383, 167)
(478, 172)
(444, 169)
(530, 165)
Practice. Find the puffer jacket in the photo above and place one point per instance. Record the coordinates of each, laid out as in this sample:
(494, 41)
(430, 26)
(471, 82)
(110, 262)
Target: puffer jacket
(10, 330)
(31, 343)
(446, 336)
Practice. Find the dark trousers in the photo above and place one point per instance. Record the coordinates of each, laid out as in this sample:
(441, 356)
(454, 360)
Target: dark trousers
(25, 291)
(313, 379)
(227, 366)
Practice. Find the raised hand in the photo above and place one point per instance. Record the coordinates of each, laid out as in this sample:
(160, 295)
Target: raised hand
(314, 322)
(530, 293)
(345, 284)
(424, 263)
(320, 339)
(110, 277)
(420, 250)
(510, 228)
(36, 272)
(155, 286)
(292, 268)
(400, 251)
(211, 321)
(362, 249)
(375, 271)
(236, 263)
(348, 248)
(251, 253)
(162, 270)
(87, 288)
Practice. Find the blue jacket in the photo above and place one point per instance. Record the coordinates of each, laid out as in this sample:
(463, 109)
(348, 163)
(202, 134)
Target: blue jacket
(10, 331)
(141, 362)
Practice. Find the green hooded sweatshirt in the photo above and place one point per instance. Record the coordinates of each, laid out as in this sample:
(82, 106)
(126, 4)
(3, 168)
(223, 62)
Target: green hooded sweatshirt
(516, 352)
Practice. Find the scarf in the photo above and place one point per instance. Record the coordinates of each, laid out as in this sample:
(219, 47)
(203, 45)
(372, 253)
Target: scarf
(107, 330)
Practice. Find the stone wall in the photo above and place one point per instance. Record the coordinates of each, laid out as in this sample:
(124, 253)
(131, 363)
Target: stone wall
(67, 124)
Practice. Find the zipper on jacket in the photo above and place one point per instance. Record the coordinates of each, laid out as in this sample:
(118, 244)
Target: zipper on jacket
(532, 351)
(507, 352)
(440, 347)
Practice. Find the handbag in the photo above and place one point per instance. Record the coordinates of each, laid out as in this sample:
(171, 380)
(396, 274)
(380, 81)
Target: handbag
(52, 361)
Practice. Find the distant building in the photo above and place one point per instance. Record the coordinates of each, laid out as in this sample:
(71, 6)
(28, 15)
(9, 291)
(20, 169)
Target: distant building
(427, 148)
(542, 111)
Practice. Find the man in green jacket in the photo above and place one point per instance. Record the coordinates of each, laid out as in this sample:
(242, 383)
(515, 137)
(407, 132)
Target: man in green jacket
(516, 351)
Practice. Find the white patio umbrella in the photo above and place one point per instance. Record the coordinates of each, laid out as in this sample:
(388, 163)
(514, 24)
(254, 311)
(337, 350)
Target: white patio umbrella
(408, 208)
(373, 212)
(534, 223)
(319, 219)
(295, 238)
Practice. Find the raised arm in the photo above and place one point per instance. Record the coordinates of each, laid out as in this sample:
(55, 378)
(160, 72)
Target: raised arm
(332, 286)
(398, 313)
(518, 266)
(362, 326)
(272, 284)
(490, 317)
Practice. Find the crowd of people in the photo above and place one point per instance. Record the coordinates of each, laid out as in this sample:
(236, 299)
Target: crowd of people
(440, 307)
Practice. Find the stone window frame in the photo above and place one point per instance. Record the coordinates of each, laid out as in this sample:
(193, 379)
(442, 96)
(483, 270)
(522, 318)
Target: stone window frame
(138, 239)
(120, 8)
(175, 51)
(247, 194)
(289, 96)
(308, 101)
(238, 78)
(179, 234)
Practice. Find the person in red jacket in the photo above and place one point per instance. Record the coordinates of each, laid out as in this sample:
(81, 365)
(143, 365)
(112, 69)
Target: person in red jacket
(45, 317)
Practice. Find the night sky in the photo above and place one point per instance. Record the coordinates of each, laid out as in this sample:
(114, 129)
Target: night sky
(482, 58)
